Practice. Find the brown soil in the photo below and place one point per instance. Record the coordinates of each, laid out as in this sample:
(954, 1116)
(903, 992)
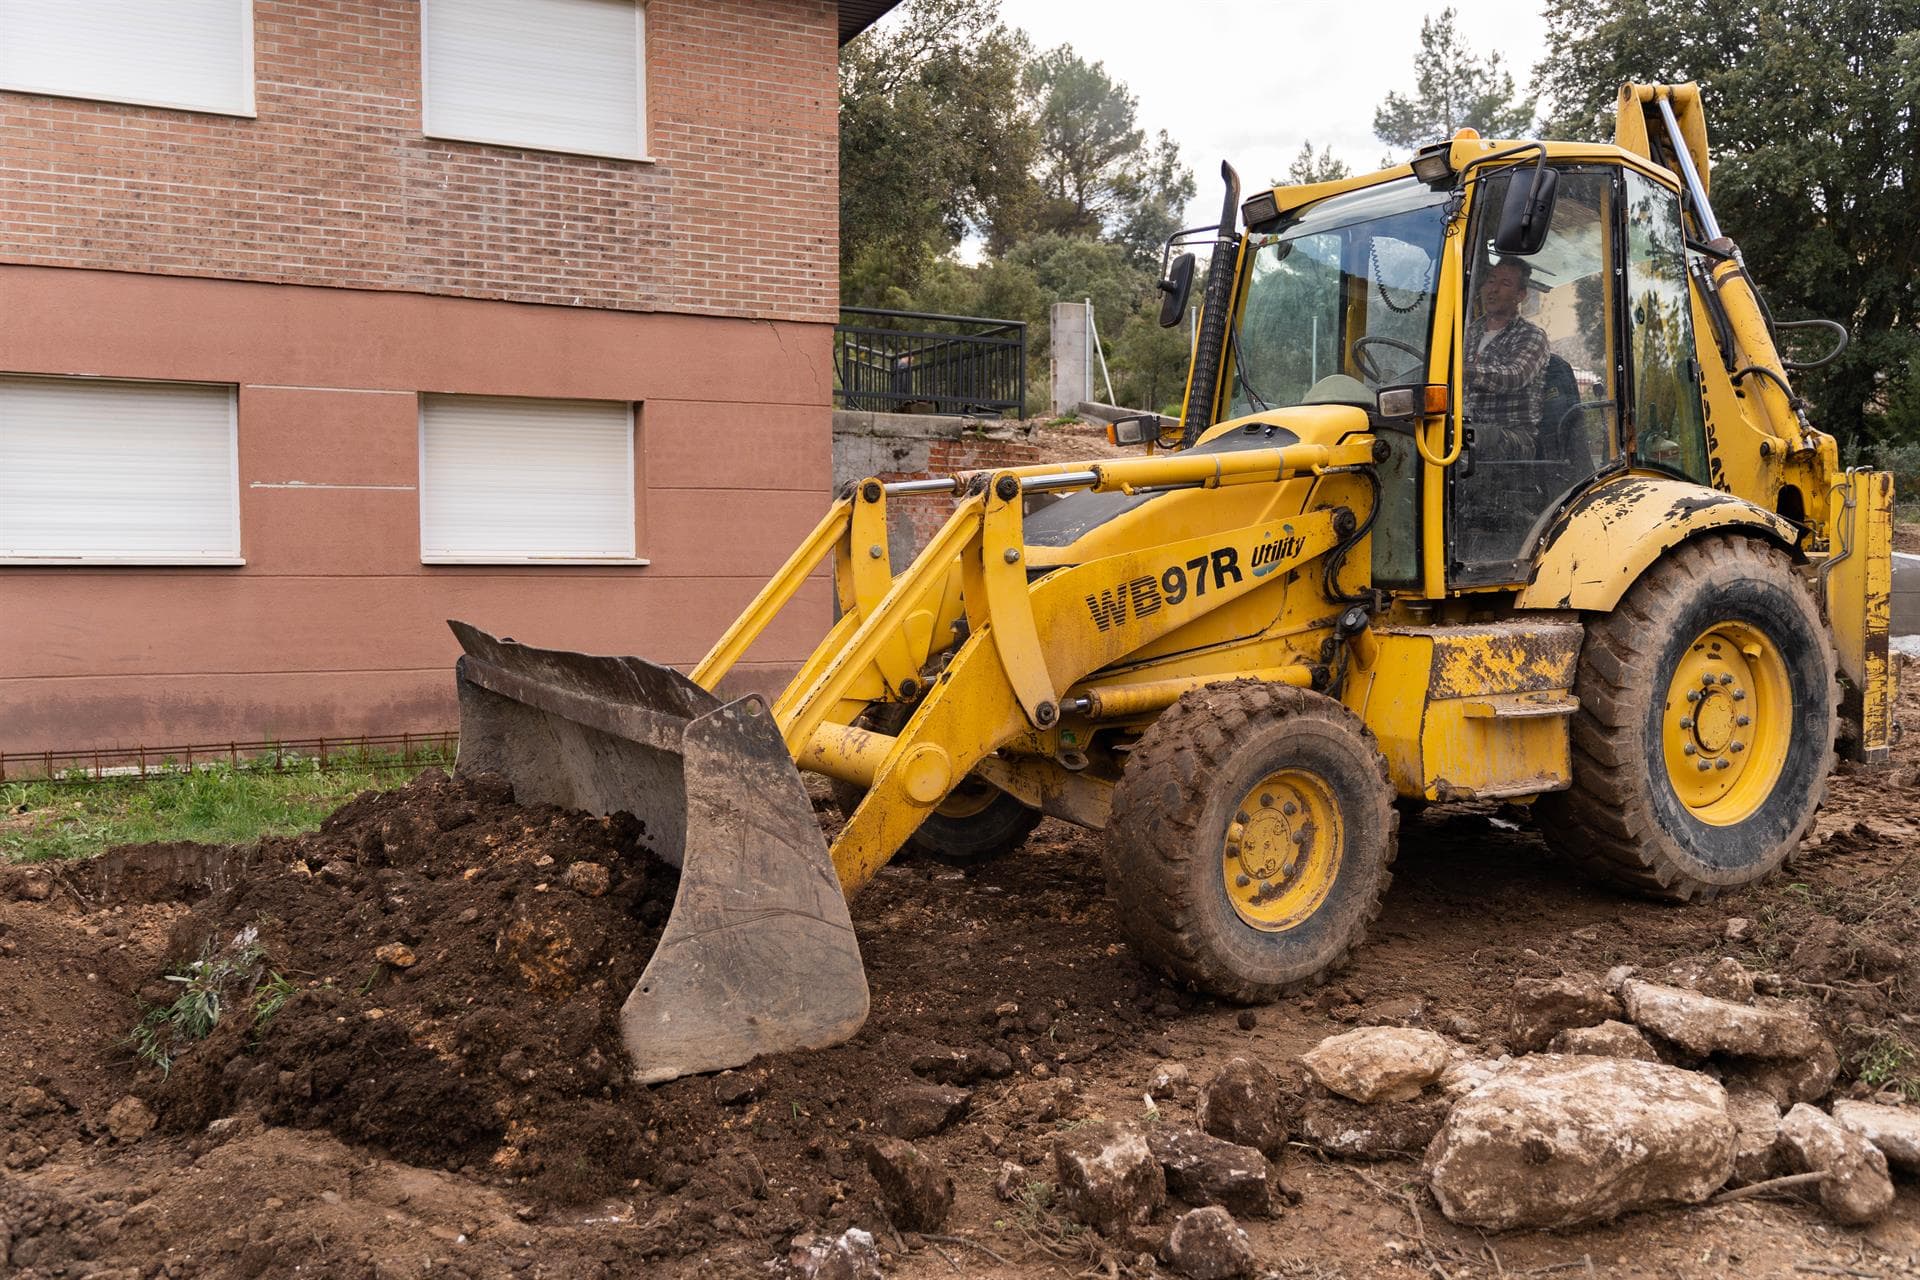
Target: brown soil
(466, 1114)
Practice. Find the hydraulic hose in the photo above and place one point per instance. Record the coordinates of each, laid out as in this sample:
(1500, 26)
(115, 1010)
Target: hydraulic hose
(1210, 343)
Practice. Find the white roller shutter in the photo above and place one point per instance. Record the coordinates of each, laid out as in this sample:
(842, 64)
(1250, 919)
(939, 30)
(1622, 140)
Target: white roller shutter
(99, 471)
(505, 479)
(557, 75)
(196, 55)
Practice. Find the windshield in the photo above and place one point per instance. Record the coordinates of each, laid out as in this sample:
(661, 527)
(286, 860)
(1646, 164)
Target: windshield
(1339, 303)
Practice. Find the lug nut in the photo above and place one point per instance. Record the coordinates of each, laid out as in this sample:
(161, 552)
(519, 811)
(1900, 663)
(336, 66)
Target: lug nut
(1744, 721)
(1726, 679)
(1707, 678)
(1687, 748)
(1686, 722)
(1723, 764)
(1011, 556)
(1693, 695)
(1739, 746)
(1266, 800)
(1242, 881)
(1703, 765)
(1739, 695)
(1266, 887)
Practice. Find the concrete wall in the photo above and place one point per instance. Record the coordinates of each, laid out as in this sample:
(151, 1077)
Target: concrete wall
(911, 446)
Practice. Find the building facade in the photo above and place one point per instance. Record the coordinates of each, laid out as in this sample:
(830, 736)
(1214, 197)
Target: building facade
(354, 316)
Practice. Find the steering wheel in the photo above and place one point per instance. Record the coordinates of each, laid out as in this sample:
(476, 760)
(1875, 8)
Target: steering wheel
(1364, 362)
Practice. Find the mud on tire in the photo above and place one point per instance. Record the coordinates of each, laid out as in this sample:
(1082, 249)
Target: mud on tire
(1174, 812)
(1623, 818)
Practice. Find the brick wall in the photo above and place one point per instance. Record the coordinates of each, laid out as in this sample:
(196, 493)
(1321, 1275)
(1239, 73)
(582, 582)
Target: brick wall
(334, 184)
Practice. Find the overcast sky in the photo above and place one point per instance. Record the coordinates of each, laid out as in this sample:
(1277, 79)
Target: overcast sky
(1248, 80)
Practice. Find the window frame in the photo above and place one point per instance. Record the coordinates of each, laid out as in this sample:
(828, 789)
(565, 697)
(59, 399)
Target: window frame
(250, 92)
(631, 471)
(226, 557)
(642, 153)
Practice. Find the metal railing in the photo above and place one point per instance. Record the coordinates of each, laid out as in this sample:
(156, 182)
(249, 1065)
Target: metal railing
(372, 750)
(895, 360)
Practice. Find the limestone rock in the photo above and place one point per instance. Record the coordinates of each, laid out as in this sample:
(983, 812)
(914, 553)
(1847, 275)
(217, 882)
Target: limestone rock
(1789, 1081)
(1207, 1244)
(589, 879)
(852, 1255)
(1895, 1130)
(1857, 1189)
(1380, 1131)
(1109, 1179)
(1756, 1124)
(1168, 1080)
(129, 1119)
(1463, 1074)
(397, 954)
(920, 1110)
(1706, 1024)
(1204, 1170)
(1379, 1064)
(1247, 1104)
(1608, 1040)
(918, 1193)
(1558, 1141)
(1724, 979)
(1544, 1007)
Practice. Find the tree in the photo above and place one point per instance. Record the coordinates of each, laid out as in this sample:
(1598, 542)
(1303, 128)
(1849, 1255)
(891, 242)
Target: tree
(934, 138)
(1813, 109)
(1310, 166)
(1096, 175)
(1454, 89)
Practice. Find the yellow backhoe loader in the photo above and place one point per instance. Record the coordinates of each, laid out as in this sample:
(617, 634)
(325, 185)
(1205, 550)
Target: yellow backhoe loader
(1491, 482)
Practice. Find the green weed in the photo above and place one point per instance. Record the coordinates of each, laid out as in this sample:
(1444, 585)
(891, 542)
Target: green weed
(207, 985)
(1892, 1063)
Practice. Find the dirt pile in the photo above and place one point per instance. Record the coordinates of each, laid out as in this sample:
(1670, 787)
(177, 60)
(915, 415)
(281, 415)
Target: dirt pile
(436, 972)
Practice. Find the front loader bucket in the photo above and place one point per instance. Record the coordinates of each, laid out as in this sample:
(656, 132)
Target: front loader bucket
(759, 955)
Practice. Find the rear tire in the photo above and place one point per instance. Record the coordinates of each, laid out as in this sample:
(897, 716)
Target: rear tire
(976, 824)
(1250, 839)
(1708, 710)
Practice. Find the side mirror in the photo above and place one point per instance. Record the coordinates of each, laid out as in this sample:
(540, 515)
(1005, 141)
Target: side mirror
(1527, 213)
(1176, 287)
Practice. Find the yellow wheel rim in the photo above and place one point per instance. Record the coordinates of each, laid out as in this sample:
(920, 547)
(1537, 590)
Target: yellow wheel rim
(1282, 850)
(1727, 723)
(969, 798)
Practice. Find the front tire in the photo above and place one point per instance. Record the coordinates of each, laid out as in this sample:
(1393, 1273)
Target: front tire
(1708, 710)
(1250, 839)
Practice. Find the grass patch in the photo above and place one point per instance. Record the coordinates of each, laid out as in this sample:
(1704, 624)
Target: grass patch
(1892, 1063)
(217, 804)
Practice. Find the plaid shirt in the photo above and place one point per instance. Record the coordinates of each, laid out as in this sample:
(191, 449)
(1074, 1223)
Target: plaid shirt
(1504, 386)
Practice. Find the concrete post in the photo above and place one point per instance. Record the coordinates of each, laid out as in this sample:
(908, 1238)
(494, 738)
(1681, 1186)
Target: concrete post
(1072, 357)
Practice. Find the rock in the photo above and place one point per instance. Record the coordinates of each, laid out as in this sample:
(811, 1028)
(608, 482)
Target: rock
(920, 1110)
(1394, 1011)
(1010, 1184)
(1207, 1244)
(1707, 1024)
(1857, 1189)
(1380, 1131)
(1045, 1101)
(29, 1101)
(963, 1066)
(1723, 979)
(1246, 1103)
(1608, 1040)
(1789, 1081)
(1247, 1020)
(34, 886)
(1463, 1074)
(852, 1255)
(1108, 1177)
(1738, 929)
(737, 1088)
(588, 879)
(1378, 1064)
(1204, 1170)
(1559, 1141)
(1756, 1125)
(1168, 1080)
(129, 1120)
(1544, 1007)
(918, 1193)
(396, 954)
(335, 871)
(1895, 1130)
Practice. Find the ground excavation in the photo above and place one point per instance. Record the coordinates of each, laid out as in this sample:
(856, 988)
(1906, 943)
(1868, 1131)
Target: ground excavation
(415, 1070)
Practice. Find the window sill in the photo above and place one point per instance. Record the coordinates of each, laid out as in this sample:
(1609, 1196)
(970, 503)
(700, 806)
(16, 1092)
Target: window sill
(542, 149)
(248, 112)
(538, 560)
(146, 562)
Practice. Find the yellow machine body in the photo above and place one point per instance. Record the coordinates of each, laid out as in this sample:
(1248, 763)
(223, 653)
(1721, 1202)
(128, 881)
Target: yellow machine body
(1062, 609)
